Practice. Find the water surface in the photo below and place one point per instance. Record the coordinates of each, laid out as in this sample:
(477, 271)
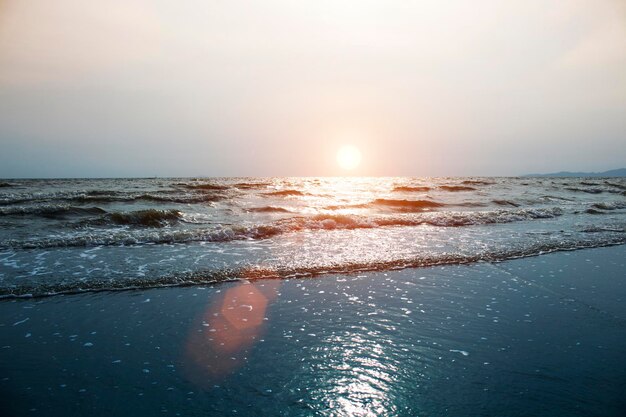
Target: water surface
(541, 336)
(76, 235)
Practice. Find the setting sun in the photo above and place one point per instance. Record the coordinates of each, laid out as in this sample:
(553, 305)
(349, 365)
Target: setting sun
(348, 157)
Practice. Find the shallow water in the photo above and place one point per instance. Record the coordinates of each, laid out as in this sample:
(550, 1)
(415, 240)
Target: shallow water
(77, 235)
(541, 336)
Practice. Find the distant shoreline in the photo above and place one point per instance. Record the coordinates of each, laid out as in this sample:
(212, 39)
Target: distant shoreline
(606, 174)
(621, 172)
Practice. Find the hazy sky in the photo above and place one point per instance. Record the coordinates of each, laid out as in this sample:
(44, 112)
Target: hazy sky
(275, 87)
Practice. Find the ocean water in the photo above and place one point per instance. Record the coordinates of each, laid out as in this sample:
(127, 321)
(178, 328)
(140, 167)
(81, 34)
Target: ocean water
(74, 235)
(541, 336)
(313, 297)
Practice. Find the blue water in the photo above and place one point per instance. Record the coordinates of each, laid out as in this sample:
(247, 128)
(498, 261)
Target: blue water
(540, 336)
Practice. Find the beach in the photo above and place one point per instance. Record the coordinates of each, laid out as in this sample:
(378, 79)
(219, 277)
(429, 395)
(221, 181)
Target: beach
(313, 209)
(540, 336)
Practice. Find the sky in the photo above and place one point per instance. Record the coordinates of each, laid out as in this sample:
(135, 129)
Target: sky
(276, 87)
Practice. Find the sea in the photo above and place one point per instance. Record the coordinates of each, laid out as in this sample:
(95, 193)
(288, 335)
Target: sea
(327, 297)
(76, 235)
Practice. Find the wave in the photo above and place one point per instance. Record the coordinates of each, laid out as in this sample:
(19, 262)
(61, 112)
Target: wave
(205, 187)
(148, 218)
(400, 206)
(612, 184)
(410, 189)
(12, 200)
(5, 185)
(51, 212)
(254, 272)
(144, 218)
(477, 182)
(223, 233)
(157, 198)
(506, 203)
(105, 198)
(268, 209)
(184, 199)
(347, 206)
(454, 188)
(102, 193)
(470, 204)
(552, 197)
(406, 205)
(585, 190)
(250, 185)
(609, 206)
(286, 193)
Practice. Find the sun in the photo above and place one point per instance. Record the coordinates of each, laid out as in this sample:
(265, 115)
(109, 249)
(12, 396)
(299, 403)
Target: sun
(348, 157)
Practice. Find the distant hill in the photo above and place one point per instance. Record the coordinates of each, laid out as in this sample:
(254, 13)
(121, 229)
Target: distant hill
(612, 173)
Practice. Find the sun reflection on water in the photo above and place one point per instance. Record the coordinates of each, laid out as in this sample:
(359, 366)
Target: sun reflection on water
(356, 377)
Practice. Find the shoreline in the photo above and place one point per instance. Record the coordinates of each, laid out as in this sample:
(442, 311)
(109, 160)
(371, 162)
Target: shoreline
(252, 274)
(533, 336)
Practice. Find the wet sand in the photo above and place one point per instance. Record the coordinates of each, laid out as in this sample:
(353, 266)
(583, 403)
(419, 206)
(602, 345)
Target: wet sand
(541, 336)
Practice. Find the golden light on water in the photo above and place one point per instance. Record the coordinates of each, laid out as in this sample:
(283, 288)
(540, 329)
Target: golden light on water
(348, 157)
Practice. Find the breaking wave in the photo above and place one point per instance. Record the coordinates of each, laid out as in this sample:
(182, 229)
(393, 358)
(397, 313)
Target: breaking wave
(225, 233)
(146, 218)
(406, 188)
(268, 209)
(286, 193)
(107, 197)
(405, 205)
(585, 190)
(477, 182)
(399, 206)
(454, 188)
(205, 187)
(612, 184)
(250, 185)
(51, 211)
(609, 206)
(252, 272)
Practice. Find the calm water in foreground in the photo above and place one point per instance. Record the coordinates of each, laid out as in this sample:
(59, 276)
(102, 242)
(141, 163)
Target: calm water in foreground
(541, 336)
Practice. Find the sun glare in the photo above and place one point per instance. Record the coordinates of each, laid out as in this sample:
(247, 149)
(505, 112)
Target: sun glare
(348, 157)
